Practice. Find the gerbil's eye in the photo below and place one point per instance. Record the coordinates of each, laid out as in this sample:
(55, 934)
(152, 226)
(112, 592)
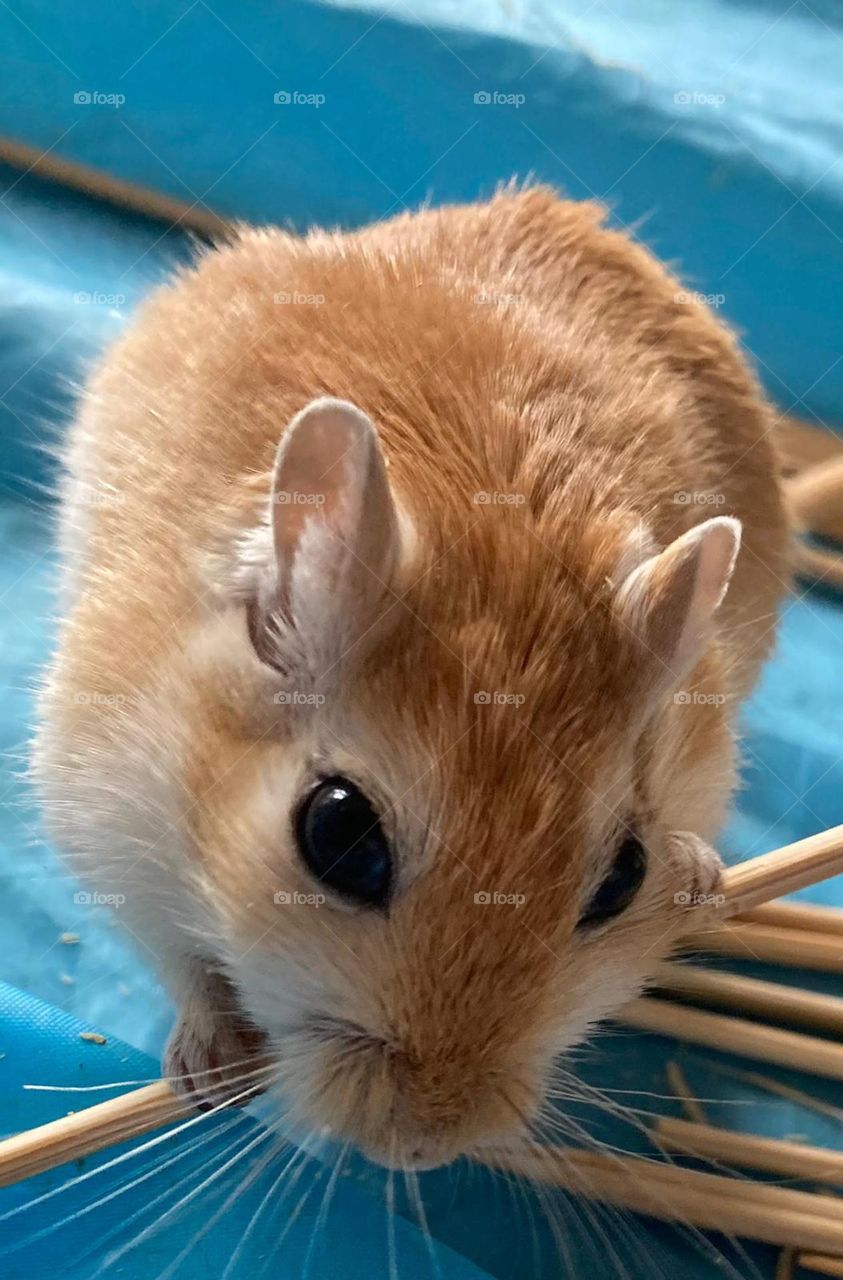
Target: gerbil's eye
(342, 843)
(621, 884)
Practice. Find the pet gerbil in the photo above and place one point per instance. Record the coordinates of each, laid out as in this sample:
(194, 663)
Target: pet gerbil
(397, 675)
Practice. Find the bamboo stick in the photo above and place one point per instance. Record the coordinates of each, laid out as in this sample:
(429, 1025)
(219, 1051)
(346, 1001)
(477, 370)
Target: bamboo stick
(707, 1201)
(825, 1266)
(772, 945)
(783, 871)
(753, 996)
(747, 1151)
(736, 1035)
(83, 1132)
(104, 186)
(796, 915)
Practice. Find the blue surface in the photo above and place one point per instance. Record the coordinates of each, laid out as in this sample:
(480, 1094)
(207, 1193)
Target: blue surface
(716, 124)
(70, 272)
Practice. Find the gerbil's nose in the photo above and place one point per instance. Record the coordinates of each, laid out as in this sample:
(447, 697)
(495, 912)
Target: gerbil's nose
(408, 1110)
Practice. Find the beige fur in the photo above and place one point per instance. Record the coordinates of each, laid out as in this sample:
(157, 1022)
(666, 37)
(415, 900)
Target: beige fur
(515, 348)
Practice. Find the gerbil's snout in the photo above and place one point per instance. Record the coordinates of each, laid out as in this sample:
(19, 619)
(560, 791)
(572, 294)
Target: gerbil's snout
(405, 1108)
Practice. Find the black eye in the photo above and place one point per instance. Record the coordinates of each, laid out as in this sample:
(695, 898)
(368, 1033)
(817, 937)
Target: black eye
(342, 843)
(621, 884)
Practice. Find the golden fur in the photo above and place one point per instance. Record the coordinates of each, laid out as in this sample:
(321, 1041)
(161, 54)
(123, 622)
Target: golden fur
(516, 348)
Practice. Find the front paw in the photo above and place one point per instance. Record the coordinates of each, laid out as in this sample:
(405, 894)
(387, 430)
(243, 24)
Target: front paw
(698, 868)
(215, 1054)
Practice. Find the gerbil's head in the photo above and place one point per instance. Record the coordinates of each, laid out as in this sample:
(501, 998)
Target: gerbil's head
(446, 804)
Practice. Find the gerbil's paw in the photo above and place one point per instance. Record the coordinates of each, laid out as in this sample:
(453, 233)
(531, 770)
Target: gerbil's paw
(699, 868)
(213, 1050)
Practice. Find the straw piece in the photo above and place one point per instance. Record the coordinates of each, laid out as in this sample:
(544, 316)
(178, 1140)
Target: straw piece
(785, 1265)
(746, 1151)
(753, 996)
(736, 1035)
(104, 186)
(815, 497)
(783, 871)
(787, 1091)
(673, 1194)
(690, 1105)
(796, 915)
(86, 1131)
(823, 1265)
(772, 945)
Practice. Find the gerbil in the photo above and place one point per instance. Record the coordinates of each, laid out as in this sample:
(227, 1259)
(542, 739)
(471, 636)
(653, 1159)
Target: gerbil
(396, 681)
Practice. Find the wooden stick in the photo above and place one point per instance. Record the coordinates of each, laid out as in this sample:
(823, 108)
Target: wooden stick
(708, 1201)
(753, 996)
(796, 915)
(771, 944)
(746, 1151)
(83, 1132)
(783, 871)
(825, 1266)
(104, 186)
(736, 1035)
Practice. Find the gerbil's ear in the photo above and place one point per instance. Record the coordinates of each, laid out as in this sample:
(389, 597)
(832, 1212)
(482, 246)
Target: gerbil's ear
(334, 526)
(670, 600)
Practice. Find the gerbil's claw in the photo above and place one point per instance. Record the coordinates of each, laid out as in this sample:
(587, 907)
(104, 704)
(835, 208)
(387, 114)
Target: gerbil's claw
(213, 1050)
(699, 865)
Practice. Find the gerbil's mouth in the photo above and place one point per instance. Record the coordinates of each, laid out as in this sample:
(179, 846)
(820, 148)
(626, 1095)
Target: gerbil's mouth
(404, 1107)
